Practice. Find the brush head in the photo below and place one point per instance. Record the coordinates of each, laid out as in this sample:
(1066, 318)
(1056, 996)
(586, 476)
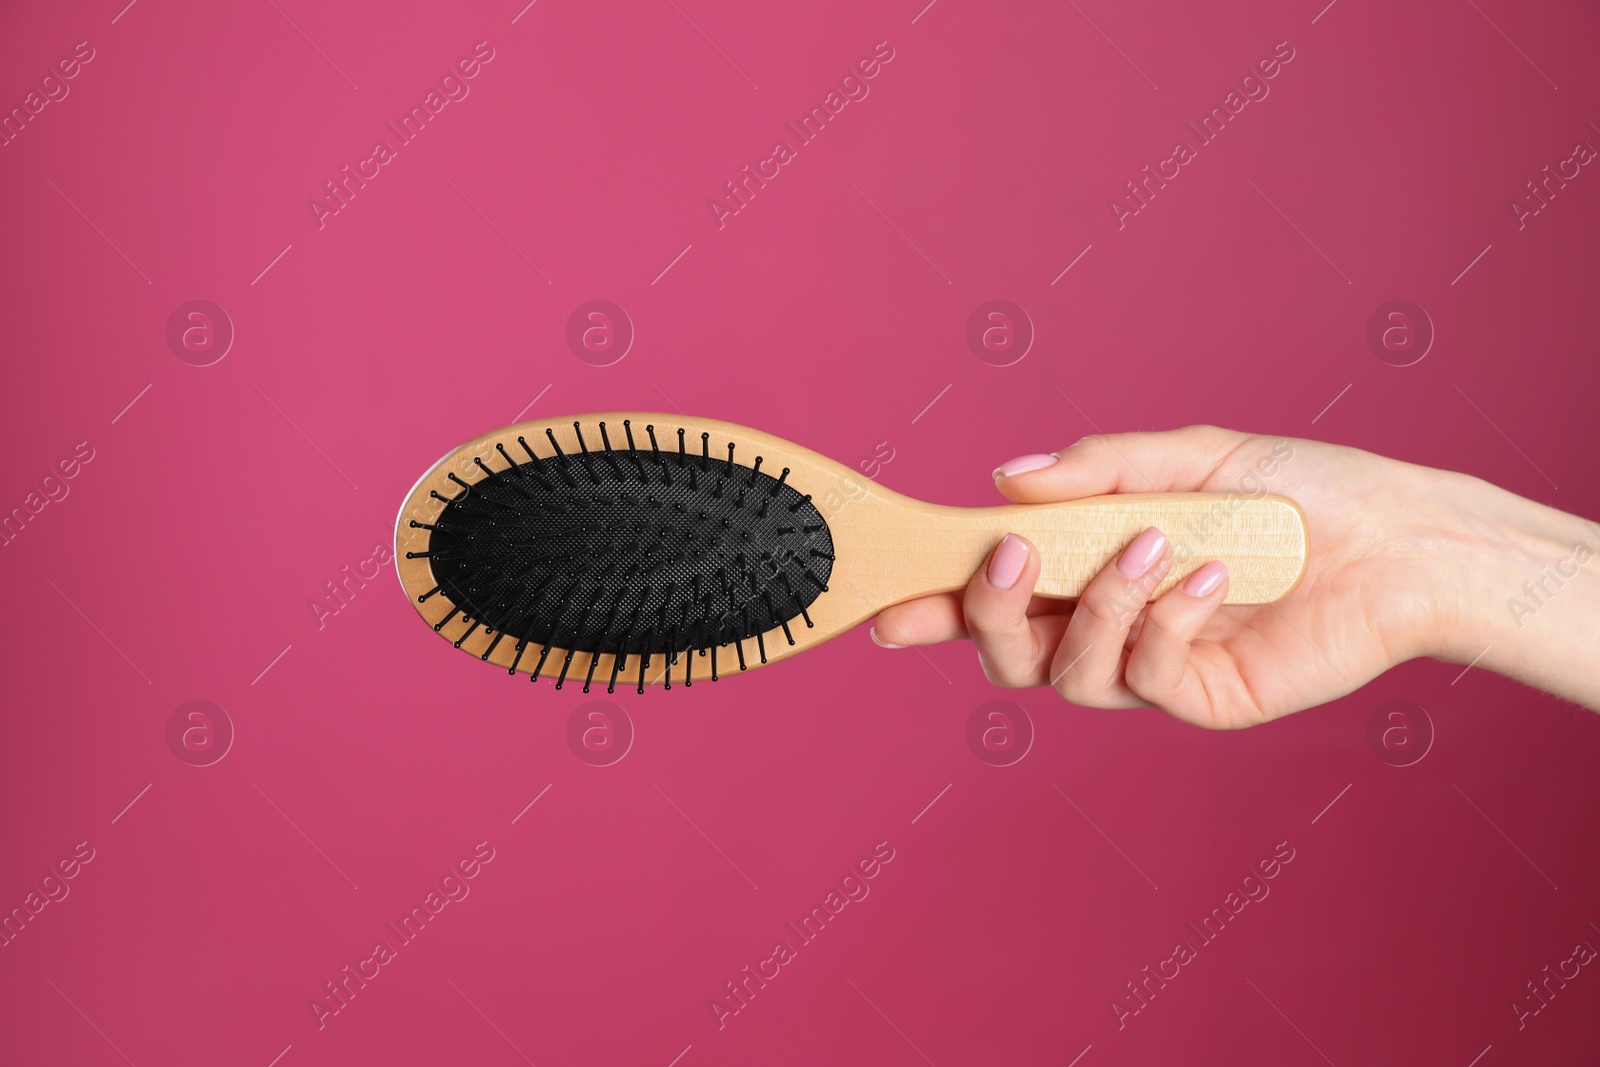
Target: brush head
(656, 547)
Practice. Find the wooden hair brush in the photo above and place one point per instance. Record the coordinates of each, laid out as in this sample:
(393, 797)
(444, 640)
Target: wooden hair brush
(628, 544)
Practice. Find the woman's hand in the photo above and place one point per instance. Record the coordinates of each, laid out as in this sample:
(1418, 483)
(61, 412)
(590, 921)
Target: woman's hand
(1404, 561)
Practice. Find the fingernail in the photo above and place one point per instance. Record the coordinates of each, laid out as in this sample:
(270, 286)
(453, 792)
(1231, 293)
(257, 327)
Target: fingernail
(880, 642)
(1023, 464)
(1142, 554)
(1203, 581)
(1005, 567)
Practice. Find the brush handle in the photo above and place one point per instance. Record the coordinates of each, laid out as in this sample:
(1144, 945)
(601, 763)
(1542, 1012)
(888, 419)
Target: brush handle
(1262, 540)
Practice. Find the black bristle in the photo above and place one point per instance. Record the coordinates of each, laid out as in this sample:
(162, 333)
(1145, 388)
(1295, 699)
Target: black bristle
(610, 458)
(618, 658)
(577, 428)
(533, 676)
(602, 557)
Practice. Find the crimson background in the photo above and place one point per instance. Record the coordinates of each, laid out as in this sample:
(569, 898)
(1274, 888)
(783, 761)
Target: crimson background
(832, 311)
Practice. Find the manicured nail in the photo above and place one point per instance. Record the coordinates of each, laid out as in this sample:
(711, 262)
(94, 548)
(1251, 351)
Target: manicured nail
(880, 642)
(1203, 581)
(1023, 464)
(1140, 556)
(1005, 567)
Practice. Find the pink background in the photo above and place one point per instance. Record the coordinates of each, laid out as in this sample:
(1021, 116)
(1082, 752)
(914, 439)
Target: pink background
(832, 310)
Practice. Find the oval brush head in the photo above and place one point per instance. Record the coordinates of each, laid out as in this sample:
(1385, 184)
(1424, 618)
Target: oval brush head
(647, 552)
(633, 545)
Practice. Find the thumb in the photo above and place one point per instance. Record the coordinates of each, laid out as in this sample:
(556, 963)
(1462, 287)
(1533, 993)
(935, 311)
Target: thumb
(1169, 461)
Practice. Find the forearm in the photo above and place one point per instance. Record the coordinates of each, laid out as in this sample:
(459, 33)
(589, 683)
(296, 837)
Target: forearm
(1529, 589)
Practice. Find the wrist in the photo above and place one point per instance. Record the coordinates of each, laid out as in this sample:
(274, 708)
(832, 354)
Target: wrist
(1526, 584)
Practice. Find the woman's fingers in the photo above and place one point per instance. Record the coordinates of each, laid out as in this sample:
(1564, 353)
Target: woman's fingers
(1159, 668)
(1087, 667)
(1159, 462)
(926, 620)
(996, 611)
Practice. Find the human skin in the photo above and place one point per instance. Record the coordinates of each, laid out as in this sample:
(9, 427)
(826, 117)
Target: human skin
(1404, 561)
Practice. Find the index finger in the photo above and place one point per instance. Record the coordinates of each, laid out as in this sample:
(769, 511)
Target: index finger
(1169, 461)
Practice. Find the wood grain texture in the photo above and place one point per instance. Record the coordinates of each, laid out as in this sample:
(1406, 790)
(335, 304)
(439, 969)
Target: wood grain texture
(888, 547)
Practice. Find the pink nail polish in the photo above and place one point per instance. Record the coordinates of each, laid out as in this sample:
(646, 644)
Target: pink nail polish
(1142, 554)
(1205, 580)
(1005, 567)
(880, 642)
(1023, 464)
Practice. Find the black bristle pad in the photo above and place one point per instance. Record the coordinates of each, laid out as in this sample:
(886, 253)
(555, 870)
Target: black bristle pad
(682, 562)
